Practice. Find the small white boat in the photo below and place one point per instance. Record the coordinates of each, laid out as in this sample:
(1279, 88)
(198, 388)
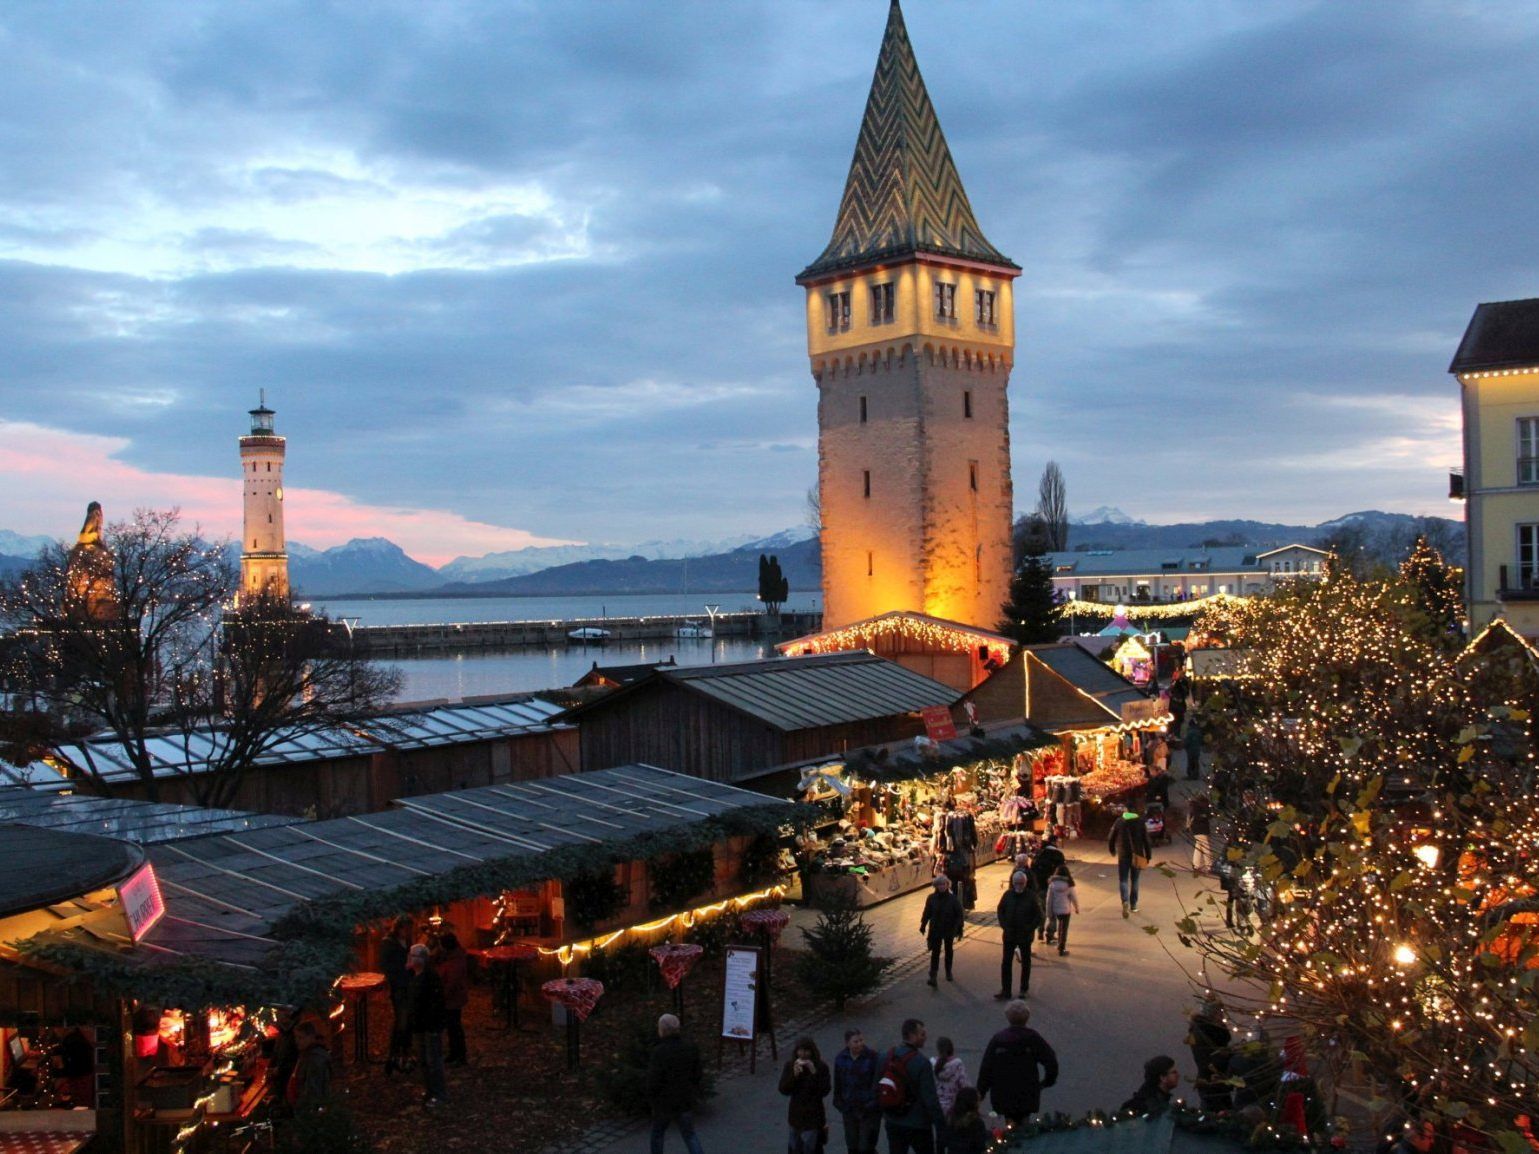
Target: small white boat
(693, 629)
(588, 635)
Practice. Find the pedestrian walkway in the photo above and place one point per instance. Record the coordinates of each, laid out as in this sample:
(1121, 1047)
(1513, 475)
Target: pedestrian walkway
(1119, 997)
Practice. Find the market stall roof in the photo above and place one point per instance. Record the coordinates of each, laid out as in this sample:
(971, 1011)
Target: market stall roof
(144, 822)
(610, 676)
(792, 693)
(41, 867)
(1056, 687)
(1091, 677)
(936, 632)
(903, 760)
(1216, 663)
(267, 872)
(177, 755)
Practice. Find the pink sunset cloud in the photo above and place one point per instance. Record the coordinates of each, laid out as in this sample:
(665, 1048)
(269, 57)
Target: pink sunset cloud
(48, 476)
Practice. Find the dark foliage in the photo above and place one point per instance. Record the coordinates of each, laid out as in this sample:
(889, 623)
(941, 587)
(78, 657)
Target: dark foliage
(839, 962)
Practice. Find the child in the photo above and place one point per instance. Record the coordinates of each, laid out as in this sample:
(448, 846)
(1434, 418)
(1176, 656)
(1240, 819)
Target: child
(950, 1074)
(965, 1131)
(1062, 900)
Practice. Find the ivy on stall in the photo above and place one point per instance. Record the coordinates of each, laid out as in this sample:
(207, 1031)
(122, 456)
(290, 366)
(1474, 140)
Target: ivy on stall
(315, 940)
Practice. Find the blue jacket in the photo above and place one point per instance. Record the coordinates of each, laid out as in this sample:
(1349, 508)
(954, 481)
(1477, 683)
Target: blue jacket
(855, 1082)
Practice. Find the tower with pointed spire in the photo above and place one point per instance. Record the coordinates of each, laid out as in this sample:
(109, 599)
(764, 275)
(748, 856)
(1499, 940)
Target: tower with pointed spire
(911, 335)
(264, 558)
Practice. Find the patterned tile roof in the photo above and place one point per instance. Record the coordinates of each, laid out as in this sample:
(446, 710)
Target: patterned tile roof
(903, 195)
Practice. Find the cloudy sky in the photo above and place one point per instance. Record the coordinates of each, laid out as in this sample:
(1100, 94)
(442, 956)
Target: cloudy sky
(522, 272)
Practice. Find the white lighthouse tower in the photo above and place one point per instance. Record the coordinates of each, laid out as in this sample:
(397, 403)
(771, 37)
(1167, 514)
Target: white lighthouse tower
(264, 558)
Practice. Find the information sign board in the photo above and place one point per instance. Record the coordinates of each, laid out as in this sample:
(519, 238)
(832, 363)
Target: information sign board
(739, 1017)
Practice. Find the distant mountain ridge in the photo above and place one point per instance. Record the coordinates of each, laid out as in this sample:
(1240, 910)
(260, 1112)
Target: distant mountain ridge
(374, 565)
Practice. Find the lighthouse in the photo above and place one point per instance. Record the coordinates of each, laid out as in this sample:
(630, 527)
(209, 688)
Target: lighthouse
(264, 558)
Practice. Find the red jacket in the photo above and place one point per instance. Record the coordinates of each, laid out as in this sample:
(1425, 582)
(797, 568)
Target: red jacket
(454, 973)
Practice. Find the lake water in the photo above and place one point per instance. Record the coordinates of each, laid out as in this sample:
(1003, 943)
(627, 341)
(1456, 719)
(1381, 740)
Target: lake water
(523, 670)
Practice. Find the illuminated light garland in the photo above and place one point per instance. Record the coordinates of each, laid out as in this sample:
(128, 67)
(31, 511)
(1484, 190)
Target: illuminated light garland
(907, 625)
(1192, 608)
(687, 919)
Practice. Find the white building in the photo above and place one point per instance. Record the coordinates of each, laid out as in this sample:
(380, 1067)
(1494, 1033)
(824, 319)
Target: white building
(1134, 575)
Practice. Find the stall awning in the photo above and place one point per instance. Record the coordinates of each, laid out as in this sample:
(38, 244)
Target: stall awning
(145, 822)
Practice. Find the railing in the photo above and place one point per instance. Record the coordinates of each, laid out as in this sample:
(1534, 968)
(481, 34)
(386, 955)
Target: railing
(1526, 587)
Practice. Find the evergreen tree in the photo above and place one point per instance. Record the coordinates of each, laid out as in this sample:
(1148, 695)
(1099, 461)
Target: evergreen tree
(1032, 615)
(839, 961)
(774, 586)
(1437, 586)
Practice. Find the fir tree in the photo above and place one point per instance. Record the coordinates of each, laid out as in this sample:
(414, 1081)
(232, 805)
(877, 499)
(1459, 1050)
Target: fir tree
(839, 961)
(1438, 586)
(1032, 615)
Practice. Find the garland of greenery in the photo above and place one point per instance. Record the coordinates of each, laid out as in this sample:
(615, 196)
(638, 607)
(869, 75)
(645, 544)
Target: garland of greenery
(677, 879)
(315, 939)
(1265, 1136)
(592, 897)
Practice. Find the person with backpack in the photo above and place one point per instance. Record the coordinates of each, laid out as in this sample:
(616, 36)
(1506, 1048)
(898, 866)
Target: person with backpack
(906, 1091)
(941, 923)
(855, 1070)
(1017, 1066)
(1020, 915)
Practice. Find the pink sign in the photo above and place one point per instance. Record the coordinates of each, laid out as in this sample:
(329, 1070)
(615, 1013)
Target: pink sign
(141, 901)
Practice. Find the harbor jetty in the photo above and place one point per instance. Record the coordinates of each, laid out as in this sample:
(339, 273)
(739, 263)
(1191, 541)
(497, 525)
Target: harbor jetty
(474, 636)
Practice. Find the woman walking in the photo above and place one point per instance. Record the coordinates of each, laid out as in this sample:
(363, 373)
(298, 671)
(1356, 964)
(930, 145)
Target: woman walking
(806, 1081)
(1062, 902)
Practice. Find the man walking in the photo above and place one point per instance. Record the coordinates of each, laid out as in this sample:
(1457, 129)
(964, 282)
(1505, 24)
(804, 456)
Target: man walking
(673, 1084)
(855, 1070)
(941, 923)
(1020, 916)
(911, 1124)
(1017, 1066)
(1129, 844)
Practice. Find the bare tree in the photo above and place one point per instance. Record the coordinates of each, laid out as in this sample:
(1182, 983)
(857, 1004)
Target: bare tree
(1053, 507)
(131, 639)
(814, 508)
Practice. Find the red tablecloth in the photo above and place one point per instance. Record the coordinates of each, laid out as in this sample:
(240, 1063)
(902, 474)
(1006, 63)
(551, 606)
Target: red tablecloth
(676, 959)
(42, 1142)
(767, 922)
(579, 995)
(363, 981)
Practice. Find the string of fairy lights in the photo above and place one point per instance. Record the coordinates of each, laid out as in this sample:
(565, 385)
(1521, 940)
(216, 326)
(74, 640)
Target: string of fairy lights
(1405, 928)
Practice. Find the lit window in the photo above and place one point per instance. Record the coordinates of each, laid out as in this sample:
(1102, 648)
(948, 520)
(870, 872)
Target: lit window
(1528, 450)
(881, 303)
(1528, 556)
(983, 308)
(945, 300)
(862, 410)
(967, 403)
(866, 481)
(838, 312)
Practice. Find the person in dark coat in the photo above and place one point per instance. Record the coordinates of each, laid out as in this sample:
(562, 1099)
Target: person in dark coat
(941, 924)
(806, 1081)
(392, 961)
(674, 1076)
(1129, 839)
(1020, 917)
(855, 1071)
(1193, 744)
(1043, 867)
(1160, 1081)
(1207, 1034)
(1017, 1066)
(965, 1130)
(309, 1085)
(453, 966)
(426, 1018)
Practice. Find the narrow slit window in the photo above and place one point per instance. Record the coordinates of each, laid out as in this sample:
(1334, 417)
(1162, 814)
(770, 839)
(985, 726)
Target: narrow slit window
(865, 481)
(967, 403)
(870, 563)
(862, 410)
(972, 475)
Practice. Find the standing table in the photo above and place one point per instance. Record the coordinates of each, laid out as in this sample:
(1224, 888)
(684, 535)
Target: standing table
(356, 989)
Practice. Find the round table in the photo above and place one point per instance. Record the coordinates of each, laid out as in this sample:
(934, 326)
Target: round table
(579, 996)
(506, 958)
(675, 960)
(357, 987)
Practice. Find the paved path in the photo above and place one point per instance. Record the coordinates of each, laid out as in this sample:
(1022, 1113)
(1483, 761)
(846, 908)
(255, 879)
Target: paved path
(1117, 999)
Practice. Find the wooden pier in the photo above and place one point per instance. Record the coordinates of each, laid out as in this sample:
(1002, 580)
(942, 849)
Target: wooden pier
(476, 636)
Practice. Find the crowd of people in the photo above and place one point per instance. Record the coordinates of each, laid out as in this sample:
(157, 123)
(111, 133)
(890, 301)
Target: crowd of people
(429, 989)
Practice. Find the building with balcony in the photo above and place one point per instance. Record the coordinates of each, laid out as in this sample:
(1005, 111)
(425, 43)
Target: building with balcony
(1497, 366)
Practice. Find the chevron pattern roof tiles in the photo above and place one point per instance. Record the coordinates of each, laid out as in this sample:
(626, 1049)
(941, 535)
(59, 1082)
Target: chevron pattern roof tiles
(903, 195)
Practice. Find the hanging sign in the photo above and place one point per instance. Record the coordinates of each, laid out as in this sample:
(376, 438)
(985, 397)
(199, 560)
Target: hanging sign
(740, 994)
(1140, 710)
(140, 900)
(938, 723)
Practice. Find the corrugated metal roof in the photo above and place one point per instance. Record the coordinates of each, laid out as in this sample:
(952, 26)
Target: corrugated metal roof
(1089, 675)
(262, 874)
(175, 755)
(792, 693)
(145, 822)
(39, 867)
